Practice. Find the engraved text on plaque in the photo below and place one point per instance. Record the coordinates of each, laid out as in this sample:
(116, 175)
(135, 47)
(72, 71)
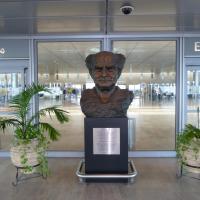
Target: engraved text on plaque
(106, 141)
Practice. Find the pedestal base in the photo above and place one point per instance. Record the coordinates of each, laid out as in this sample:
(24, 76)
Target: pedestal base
(84, 177)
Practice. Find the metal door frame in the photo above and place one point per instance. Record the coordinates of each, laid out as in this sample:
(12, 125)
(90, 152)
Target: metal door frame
(107, 45)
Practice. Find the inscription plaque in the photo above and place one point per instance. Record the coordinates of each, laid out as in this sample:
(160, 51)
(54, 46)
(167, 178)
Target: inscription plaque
(106, 141)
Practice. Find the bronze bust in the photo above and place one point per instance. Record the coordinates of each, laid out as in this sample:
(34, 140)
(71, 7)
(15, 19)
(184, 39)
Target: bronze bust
(105, 99)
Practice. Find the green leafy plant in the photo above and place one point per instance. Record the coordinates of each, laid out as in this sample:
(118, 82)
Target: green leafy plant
(29, 128)
(188, 141)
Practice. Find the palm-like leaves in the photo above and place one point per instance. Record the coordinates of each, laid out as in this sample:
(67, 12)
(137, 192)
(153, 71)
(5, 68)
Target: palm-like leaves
(21, 101)
(8, 122)
(59, 113)
(53, 133)
(25, 128)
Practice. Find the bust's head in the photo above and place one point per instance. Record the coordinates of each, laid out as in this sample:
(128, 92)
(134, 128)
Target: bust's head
(105, 68)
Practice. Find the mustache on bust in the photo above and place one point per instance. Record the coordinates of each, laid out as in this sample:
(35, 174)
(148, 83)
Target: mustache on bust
(105, 79)
(105, 89)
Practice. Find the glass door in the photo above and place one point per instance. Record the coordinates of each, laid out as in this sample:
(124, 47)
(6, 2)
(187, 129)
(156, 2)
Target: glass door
(10, 85)
(193, 96)
(150, 72)
(12, 81)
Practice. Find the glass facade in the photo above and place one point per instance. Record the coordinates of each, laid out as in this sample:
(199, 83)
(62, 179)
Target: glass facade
(150, 72)
(61, 67)
(10, 85)
(193, 96)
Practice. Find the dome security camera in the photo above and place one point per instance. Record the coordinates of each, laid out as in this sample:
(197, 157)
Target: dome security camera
(127, 9)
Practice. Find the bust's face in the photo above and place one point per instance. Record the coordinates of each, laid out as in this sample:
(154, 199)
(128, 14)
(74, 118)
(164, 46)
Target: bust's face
(104, 74)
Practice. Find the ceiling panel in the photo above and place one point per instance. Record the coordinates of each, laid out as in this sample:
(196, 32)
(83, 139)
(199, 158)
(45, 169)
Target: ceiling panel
(81, 16)
(19, 26)
(143, 23)
(70, 8)
(51, 16)
(66, 25)
(16, 9)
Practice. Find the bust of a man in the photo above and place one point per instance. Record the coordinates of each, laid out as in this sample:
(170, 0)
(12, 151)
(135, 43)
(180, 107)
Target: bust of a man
(105, 99)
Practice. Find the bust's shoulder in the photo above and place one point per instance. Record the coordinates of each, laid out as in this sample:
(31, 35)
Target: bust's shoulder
(124, 92)
(88, 92)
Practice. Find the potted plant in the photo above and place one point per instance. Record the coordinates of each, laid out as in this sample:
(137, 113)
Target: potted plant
(31, 136)
(188, 146)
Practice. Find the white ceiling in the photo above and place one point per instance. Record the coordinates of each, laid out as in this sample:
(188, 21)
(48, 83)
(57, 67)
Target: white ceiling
(144, 59)
(97, 16)
(65, 57)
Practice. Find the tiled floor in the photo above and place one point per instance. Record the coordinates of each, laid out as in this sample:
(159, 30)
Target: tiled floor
(156, 180)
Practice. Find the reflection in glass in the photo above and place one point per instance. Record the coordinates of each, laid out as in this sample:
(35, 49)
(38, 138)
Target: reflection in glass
(193, 96)
(150, 73)
(10, 85)
(61, 67)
